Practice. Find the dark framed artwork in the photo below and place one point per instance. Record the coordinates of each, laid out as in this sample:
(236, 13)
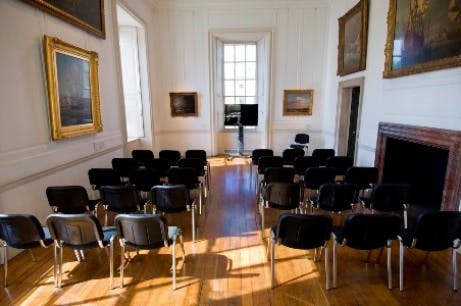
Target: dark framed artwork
(86, 14)
(183, 104)
(352, 46)
(298, 102)
(422, 36)
(73, 89)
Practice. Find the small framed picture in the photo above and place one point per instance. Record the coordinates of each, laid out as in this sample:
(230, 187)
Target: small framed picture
(298, 102)
(183, 104)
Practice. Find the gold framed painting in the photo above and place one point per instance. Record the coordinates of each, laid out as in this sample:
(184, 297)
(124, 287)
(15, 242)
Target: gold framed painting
(73, 89)
(298, 102)
(183, 104)
(422, 35)
(353, 33)
(87, 15)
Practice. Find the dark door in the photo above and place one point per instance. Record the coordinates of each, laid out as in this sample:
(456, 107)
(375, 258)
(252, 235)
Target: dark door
(352, 139)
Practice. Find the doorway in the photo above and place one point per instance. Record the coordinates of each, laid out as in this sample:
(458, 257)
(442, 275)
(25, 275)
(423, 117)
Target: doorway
(350, 97)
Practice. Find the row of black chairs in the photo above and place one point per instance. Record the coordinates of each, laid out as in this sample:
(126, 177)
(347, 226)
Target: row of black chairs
(83, 231)
(433, 231)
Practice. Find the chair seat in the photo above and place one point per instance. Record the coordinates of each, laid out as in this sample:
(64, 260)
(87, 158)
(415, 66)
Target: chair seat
(108, 232)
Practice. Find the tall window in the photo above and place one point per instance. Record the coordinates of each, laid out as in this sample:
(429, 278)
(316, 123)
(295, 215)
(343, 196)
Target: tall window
(239, 73)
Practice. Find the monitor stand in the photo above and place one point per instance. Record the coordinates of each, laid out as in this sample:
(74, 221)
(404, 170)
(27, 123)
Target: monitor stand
(240, 145)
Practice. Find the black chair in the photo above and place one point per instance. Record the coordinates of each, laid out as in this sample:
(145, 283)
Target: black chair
(201, 154)
(124, 166)
(21, 231)
(367, 232)
(365, 178)
(200, 168)
(281, 196)
(265, 162)
(173, 156)
(301, 142)
(78, 232)
(143, 180)
(289, 156)
(255, 155)
(188, 177)
(391, 198)
(432, 232)
(323, 155)
(142, 156)
(302, 163)
(273, 175)
(120, 199)
(174, 199)
(147, 232)
(314, 178)
(161, 165)
(70, 199)
(103, 177)
(340, 164)
(337, 198)
(303, 232)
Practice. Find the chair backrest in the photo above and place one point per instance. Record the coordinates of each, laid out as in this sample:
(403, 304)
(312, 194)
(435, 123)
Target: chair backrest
(142, 231)
(302, 138)
(436, 231)
(68, 199)
(283, 195)
(124, 166)
(170, 198)
(257, 153)
(21, 231)
(103, 176)
(340, 163)
(144, 179)
(390, 197)
(183, 176)
(363, 177)
(315, 177)
(337, 197)
(289, 155)
(265, 162)
(142, 156)
(302, 163)
(171, 155)
(78, 231)
(303, 231)
(161, 165)
(196, 163)
(201, 154)
(323, 155)
(369, 231)
(121, 199)
(279, 174)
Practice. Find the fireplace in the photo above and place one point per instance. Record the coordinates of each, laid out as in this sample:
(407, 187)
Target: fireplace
(427, 158)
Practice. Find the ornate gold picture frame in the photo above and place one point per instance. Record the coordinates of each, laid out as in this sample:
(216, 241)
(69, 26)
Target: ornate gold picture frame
(422, 35)
(73, 89)
(87, 15)
(298, 102)
(183, 104)
(353, 33)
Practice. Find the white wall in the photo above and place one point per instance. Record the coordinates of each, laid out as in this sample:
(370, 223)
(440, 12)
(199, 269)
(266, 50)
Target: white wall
(29, 160)
(182, 63)
(426, 99)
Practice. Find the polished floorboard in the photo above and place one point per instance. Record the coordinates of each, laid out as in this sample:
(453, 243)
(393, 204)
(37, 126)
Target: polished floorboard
(228, 265)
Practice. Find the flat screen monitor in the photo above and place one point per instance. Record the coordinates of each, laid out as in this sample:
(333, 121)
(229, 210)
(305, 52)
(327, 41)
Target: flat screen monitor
(241, 114)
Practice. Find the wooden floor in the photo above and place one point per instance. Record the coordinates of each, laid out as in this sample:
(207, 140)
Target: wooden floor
(227, 265)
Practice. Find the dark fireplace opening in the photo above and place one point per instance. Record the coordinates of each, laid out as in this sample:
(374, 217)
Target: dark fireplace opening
(424, 167)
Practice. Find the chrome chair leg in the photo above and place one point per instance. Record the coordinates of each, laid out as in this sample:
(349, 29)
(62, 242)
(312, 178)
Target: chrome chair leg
(455, 277)
(327, 267)
(401, 266)
(193, 222)
(272, 262)
(111, 264)
(334, 263)
(55, 265)
(173, 259)
(389, 265)
(122, 264)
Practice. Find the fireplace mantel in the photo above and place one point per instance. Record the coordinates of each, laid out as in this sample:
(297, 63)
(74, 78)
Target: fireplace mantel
(445, 139)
